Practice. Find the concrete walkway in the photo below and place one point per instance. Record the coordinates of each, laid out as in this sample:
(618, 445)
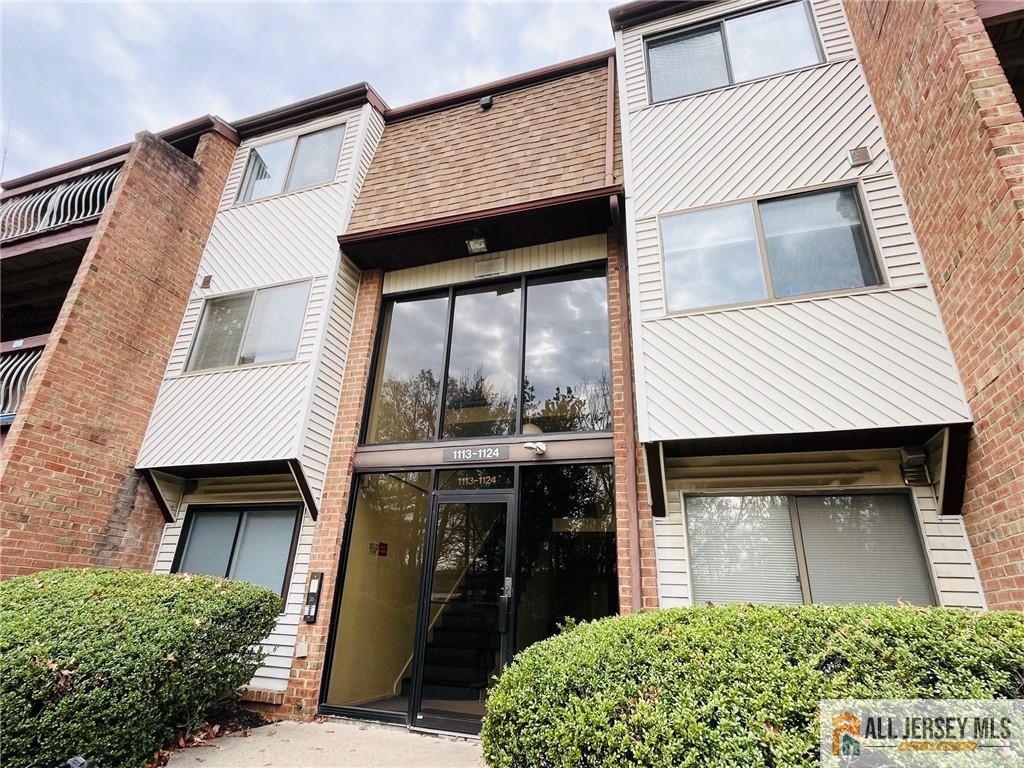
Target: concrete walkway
(333, 744)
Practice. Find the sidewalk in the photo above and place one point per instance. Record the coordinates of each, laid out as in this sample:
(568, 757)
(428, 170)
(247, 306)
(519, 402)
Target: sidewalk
(333, 744)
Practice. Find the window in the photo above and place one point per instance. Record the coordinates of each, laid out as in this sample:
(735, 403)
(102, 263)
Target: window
(291, 164)
(247, 543)
(856, 548)
(809, 243)
(776, 39)
(254, 327)
(475, 362)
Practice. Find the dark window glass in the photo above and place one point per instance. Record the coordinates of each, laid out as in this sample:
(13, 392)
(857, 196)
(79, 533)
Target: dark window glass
(266, 169)
(410, 359)
(566, 385)
(816, 243)
(246, 544)
(316, 158)
(372, 664)
(566, 549)
(474, 479)
(220, 332)
(687, 64)
(483, 366)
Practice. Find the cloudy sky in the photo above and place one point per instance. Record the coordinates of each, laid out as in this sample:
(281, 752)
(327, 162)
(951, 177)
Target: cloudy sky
(81, 77)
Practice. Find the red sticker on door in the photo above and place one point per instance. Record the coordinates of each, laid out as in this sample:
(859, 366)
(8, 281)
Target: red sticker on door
(382, 549)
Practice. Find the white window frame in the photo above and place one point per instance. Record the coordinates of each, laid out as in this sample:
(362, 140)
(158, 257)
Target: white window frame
(791, 496)
(866, 221)
(187, 371)
(719, 22)
(294, 139)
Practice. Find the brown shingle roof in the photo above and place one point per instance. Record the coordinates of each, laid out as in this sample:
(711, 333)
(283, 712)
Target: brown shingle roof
(536, 142)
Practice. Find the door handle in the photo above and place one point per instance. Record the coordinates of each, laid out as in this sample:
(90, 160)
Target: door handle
(503, 604)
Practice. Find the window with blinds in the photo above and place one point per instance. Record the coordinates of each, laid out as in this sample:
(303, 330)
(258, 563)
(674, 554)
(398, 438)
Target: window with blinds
(857, 548)
(250, 544)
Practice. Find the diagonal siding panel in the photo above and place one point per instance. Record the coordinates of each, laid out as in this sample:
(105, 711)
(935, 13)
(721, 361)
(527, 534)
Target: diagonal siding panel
(243, 414)
(870, 360)
(769, 136)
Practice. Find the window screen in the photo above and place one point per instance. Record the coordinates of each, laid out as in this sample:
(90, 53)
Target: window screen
(316, 158)
(250, 544)
(863, 549)
(687, 64)
(741, 550)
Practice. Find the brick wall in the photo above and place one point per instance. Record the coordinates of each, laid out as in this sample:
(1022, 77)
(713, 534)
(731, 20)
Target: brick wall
(618, 319)
(68, 493)
(302, 696)
(956, 137)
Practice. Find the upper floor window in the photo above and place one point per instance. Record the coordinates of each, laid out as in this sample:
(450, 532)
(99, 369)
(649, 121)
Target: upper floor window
(815, 242)
(792, 549)
(261, 326)
(525, 356)
(744, 47)
(290, 164)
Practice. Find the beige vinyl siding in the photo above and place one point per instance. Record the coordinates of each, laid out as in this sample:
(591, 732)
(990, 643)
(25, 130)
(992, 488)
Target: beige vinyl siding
(872, 358)
(828, 15)
(280, 644)
(876, 359)
(516, 261)
(782, 133)
(946, 547)
(284, 410)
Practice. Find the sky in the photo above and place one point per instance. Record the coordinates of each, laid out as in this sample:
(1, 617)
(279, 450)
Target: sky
(76, 78)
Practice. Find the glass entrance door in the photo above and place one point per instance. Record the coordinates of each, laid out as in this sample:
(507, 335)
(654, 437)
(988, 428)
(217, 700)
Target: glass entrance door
(464, 618)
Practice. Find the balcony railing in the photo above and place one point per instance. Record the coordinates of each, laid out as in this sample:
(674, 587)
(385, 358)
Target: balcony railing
(58, 205)
(16, 369)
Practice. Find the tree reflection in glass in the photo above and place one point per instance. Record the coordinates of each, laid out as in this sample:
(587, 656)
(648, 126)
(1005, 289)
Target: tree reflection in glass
(483, 365)
(566, 385)
(408, 386)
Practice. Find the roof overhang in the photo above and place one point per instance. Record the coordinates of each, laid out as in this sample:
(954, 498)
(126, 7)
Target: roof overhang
(642, 11)
(513, 226)
(309, 109)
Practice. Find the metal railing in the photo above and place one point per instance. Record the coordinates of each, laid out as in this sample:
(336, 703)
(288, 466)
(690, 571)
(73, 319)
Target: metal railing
(57, 205)
(16, 369)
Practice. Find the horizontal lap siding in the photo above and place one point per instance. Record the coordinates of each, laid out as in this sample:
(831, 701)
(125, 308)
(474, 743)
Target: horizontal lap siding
(280, 644)
(946, 547)
(518, 260)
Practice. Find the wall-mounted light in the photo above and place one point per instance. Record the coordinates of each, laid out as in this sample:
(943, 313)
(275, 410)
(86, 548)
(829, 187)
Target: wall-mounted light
(476, 246)
(539, 448)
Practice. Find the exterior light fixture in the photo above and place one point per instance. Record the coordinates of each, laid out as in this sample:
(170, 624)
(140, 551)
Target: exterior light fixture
(538, 447)
(476, 246)
(914, 467)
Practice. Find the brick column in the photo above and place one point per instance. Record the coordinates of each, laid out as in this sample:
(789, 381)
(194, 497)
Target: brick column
(956, 137)
(69, 495)
(302, 696)
(619, 322)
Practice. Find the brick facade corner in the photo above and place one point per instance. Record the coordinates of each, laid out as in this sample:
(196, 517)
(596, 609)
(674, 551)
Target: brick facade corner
(69, 495)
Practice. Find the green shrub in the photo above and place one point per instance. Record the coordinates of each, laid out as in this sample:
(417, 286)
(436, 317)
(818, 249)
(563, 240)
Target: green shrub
(720, 687)
(108, 664)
